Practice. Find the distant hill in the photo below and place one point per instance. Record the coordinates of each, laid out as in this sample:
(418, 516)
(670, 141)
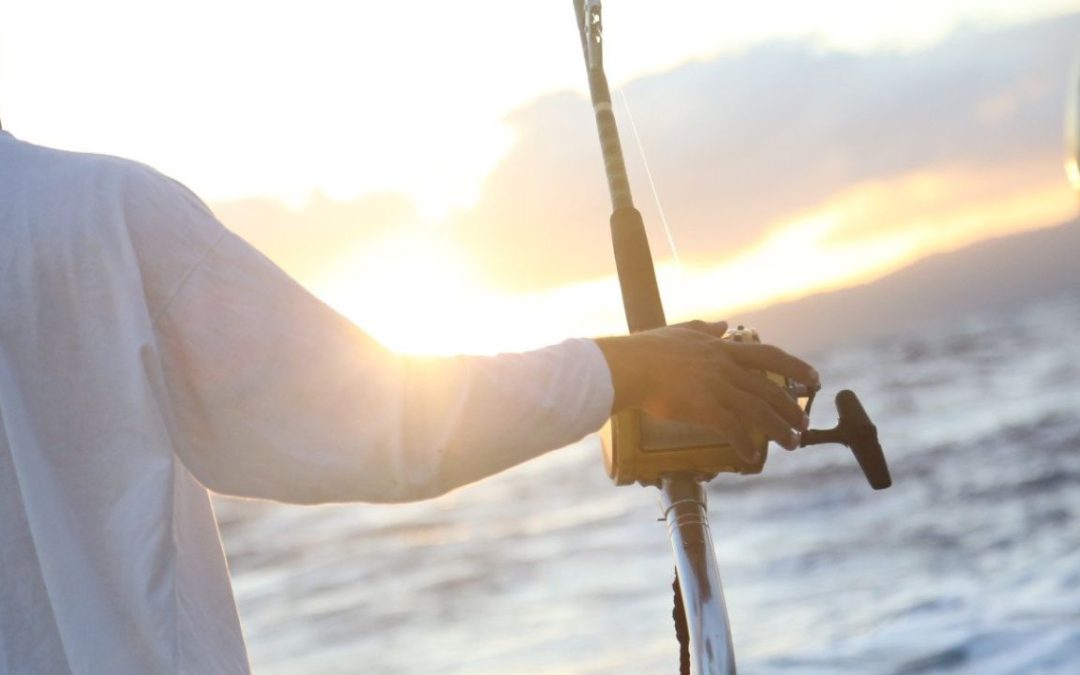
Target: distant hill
(995, 272)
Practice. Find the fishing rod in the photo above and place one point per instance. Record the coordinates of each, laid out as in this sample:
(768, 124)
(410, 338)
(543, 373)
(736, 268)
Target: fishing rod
(679, 458)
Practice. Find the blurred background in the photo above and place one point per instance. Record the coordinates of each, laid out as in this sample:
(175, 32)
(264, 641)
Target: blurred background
(876, 186)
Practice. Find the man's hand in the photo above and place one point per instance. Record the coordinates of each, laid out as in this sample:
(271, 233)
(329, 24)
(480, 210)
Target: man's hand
(688, 373)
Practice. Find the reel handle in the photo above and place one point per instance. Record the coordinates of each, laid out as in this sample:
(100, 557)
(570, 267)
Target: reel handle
(856, 431)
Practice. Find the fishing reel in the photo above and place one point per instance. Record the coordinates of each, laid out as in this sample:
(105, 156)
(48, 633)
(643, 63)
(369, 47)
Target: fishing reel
(641, 449)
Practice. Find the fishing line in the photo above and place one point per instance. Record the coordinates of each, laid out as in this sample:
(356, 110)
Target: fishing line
(652, 184)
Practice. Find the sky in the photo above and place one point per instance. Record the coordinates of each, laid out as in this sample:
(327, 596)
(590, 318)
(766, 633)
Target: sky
(440, 157)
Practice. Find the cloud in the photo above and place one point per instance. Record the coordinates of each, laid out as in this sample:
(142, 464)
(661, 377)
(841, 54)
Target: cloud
(741, 144)
(742, 147)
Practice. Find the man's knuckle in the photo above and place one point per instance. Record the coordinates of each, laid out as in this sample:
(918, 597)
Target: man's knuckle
(773, 353)
(758, 410)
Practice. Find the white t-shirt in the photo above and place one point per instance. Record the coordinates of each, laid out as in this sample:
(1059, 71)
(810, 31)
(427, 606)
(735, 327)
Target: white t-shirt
(147, 354)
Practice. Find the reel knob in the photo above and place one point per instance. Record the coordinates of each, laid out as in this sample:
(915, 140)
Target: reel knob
(856, 431)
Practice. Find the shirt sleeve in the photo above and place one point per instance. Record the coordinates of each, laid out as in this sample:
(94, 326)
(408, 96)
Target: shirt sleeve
(274, 395)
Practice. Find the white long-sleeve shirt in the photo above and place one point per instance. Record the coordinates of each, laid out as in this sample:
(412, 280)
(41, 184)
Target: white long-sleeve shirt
(147, 354)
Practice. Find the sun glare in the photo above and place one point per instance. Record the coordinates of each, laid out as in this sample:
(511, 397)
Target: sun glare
(411, 291)
(416, 292)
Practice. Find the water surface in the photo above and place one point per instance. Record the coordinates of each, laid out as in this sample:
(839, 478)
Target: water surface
(970, 563)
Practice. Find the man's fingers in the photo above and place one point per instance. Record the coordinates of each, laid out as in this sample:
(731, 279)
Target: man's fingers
(758, 385)
(760, 414)
(772, 359)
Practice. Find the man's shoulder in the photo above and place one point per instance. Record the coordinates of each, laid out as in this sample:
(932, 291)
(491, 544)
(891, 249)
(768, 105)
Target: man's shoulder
(102, 173)
(98, 195)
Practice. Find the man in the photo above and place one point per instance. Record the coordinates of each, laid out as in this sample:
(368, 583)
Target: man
(148, 355)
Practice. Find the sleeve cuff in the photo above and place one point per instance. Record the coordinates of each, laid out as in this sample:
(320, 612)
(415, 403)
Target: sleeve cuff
(596, 393)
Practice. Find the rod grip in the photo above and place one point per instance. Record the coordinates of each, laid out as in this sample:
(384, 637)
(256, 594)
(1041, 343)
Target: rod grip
(637, 277)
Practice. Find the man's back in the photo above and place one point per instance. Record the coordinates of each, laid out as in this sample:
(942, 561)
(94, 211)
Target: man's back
(93, 502)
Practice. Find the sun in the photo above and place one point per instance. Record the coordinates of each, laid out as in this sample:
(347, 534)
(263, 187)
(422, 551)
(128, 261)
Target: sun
(415, 292)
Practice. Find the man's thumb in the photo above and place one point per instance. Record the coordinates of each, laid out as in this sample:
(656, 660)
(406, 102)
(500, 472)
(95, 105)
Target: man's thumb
(716, 328)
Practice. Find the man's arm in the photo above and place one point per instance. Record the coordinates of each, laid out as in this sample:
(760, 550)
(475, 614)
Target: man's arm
(277, 396)
(274, 395)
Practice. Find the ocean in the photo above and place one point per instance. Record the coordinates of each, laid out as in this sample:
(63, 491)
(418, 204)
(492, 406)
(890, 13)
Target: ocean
(970, 563)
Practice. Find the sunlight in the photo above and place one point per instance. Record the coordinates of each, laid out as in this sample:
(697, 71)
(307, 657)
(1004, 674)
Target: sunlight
(367, 101)
(412, 291)
(865, 233)
(416, 291)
